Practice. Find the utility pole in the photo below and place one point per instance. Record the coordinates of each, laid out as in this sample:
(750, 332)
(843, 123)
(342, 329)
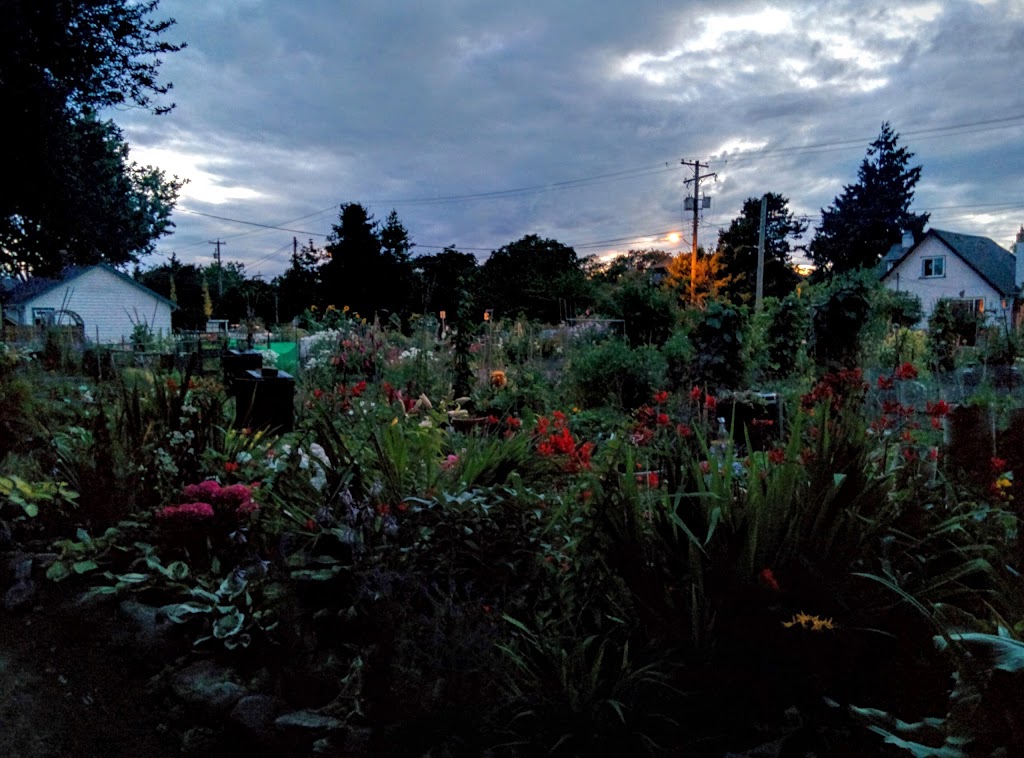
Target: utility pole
(295, 252)
(696, 204)
(759, 291)
(220, 268)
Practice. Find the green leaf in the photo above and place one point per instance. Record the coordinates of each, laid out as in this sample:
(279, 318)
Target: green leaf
(82, 567)
(57, 572)
(838, 479)
(178, 570)
(133, 578)
(31, 509)
(180, 613)
(229, 624)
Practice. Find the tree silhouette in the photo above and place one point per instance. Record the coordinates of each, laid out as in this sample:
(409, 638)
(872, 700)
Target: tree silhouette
(738, 245)
(870, 216)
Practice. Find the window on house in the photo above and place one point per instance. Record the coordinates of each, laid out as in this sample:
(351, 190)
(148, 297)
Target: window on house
(933, 267)
(970, 306)
(42, 316)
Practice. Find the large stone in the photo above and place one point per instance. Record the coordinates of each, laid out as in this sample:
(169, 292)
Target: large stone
(20, 595)
(206, 686)
(305, 727)
(255, 715)
(144, 629)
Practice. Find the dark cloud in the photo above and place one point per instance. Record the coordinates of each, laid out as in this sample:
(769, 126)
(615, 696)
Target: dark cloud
(286, 109)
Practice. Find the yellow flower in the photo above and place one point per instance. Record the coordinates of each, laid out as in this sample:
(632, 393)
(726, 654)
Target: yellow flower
(394, 421)
(818, 624)
(807, 621)
(498, 379)
(312, 308)
(331, 308)
(344, 309)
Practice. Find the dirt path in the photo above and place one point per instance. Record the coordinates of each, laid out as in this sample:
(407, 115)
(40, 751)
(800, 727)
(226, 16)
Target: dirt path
(62, 695)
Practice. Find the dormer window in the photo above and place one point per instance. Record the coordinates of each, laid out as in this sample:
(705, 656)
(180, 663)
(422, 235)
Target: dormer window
(933, 267)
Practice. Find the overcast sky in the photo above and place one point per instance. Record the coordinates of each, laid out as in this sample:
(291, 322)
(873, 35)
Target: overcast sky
(480, 122)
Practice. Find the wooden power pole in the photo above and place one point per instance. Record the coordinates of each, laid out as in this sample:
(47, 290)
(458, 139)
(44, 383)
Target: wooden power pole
(696, 204)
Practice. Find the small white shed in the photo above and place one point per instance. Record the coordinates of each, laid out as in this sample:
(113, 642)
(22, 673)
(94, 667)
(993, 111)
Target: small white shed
(106, 303)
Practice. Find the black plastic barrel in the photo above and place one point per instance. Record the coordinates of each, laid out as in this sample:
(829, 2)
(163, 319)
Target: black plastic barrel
(235, 363)
(265, 399)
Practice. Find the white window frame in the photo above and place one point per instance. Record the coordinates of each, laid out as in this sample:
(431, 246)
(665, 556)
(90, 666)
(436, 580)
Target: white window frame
(932, 259)
(42, 316)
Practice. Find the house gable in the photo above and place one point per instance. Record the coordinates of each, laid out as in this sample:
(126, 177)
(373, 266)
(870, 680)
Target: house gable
(934, 269)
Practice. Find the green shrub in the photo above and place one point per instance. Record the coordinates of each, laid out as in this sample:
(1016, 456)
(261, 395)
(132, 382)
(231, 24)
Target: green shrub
(718, 346)
(839, 321)
(612, 372)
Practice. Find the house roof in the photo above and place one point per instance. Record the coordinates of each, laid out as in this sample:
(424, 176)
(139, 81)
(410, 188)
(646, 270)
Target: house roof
(988, 260)
(24, 291)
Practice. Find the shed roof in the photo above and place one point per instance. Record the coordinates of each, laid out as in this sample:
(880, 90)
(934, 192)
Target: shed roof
(24, 291)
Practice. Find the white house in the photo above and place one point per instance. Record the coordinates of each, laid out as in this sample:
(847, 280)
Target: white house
(971, 270)
(104, 302)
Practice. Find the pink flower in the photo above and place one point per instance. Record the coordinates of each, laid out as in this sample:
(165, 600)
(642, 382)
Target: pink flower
(185, 513)
(450, 462)
(206, 491)
(236, 494)
(247, 508)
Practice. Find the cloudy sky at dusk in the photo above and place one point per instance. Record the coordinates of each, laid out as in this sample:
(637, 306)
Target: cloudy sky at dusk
(480, 122)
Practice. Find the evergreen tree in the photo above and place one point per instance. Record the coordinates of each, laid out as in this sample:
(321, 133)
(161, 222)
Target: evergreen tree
(298, 286)
(353, 256)
(870, 216)
(737, 247)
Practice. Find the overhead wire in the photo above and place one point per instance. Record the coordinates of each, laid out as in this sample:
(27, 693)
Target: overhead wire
(636, 172)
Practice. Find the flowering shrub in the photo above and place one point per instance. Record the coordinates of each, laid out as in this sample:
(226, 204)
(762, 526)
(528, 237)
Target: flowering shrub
(555, 441)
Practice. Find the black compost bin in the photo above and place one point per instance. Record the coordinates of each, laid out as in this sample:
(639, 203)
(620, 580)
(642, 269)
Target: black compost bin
(265, 399)
(235, 363)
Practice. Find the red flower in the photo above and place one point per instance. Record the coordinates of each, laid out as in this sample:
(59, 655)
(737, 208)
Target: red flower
(710, 403)
(172, 385)
(513, 423)
(695, 393)
(650, 478)
(359, 389)
(936, 422)
(661, 397)
(910, 454)
(998, 465)
(767, 578)
(906, 371)
(231, 467)
(885, 383)
(493, 420)
(318, 393)
(310, 525)
(940, 408)
(777, 455)
(663, 419)
(383, 509)
(933, 454)
(683, 430)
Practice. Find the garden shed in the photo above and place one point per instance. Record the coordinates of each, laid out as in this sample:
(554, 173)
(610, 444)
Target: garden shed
(104, 303)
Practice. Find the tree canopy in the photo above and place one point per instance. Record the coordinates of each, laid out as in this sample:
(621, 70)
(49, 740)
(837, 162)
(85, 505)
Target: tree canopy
(71, 195)
(738, 245)
(537, 278)
(870, 216)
